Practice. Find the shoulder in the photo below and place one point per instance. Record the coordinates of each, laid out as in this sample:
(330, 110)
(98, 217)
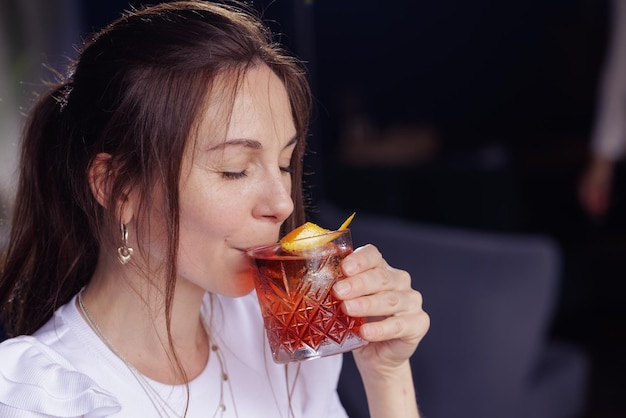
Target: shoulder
(35, 380)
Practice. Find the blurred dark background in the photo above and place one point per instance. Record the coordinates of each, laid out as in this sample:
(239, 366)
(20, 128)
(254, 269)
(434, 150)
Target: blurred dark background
(469, 114)
(476, 115)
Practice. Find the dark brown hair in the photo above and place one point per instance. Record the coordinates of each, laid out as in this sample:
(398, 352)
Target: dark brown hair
(134, 92)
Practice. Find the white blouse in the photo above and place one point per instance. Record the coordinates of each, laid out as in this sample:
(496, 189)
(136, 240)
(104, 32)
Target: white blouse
(65, 370)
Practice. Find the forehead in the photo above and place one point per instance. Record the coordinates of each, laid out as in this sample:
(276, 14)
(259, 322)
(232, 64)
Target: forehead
(251, 104)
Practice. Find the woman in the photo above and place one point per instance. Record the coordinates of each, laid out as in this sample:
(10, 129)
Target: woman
(175, 144)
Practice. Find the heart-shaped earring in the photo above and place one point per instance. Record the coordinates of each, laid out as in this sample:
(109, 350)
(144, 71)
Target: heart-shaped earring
(124, 253)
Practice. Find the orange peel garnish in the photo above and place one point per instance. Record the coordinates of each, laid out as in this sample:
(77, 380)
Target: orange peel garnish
(309, 236)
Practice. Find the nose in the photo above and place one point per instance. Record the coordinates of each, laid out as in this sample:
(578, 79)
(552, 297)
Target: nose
(275, 202)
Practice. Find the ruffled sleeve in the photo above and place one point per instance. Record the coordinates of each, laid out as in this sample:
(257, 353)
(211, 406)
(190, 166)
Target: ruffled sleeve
(35, 381)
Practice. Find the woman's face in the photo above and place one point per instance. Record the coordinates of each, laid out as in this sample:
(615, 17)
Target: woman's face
(236, 193)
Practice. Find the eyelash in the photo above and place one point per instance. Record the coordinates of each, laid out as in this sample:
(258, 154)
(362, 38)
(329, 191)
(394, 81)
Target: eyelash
(241, 174)
(234, 176)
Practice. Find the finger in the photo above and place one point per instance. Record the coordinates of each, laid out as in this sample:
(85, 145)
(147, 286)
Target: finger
(410, 328)
(371, 281)
(384, 304)
(362, 259)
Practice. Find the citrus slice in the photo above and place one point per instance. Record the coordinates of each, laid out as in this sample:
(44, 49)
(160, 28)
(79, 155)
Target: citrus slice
(346, 223)
(315, 235)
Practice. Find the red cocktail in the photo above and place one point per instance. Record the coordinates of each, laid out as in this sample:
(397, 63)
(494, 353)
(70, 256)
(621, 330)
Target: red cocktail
(302, 318)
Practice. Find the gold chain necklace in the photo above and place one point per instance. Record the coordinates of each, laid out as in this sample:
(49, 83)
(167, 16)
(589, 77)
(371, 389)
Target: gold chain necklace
(160, 404)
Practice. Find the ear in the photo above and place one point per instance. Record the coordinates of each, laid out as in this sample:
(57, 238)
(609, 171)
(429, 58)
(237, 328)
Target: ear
(101, 175)
(100, 178)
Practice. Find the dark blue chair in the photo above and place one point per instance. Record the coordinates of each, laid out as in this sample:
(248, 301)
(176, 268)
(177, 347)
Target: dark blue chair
(491, 299)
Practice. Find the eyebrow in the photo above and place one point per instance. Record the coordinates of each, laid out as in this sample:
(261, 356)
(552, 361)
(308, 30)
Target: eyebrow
(247, 143)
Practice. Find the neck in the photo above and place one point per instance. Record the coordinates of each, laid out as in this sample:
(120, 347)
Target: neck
(130, 315)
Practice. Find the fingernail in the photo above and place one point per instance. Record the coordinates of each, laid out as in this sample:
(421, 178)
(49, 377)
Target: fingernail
(342, 288)
(368, 331)
(349, 267)
(349, 306)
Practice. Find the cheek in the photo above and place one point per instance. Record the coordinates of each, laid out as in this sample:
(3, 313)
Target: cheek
(207, 221)
(203, 223)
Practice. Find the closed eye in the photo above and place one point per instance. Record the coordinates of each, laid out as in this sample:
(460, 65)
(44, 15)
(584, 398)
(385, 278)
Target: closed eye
(229, 175)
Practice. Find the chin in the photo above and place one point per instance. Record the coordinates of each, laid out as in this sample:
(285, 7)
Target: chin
(240, 285)
(240, 293)
(237, 293)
